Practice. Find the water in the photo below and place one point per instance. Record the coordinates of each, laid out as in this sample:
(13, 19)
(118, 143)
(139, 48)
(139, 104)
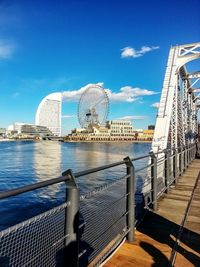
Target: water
(23, 163)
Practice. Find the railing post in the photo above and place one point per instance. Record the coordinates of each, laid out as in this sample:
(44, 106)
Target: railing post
(175, 167)
(180, 161)
(185, 165)
(184, 159)
(71, 230)
(154, 180)
(130, 188)
(187, 156)
(183, 153)
(189, 153)
(195, 150)
(167, 171)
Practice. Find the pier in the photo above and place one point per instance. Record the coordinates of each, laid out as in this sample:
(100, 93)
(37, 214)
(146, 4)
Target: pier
(169, 236)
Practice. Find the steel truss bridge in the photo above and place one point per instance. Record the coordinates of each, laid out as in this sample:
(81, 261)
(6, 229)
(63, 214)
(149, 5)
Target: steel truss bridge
(176, 123)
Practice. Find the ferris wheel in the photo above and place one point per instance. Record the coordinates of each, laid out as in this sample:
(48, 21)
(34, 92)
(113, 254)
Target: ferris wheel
(93, 106)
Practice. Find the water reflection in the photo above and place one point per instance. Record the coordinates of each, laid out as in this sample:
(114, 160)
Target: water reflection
(47, 165)
(98, 154)
(47, 160)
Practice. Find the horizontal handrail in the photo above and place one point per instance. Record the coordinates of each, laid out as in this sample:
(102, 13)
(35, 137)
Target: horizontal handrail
(138, 158)
(27, 188)
(97, 169)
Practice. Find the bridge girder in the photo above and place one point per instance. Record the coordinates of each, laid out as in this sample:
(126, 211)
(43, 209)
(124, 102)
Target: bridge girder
(193, 75)
(176, 122)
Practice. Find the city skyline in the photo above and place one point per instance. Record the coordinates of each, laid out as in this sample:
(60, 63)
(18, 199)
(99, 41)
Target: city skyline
(66, 46)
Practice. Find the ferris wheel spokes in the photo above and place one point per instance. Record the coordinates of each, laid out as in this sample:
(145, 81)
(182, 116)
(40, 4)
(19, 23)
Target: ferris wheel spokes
(93, 106)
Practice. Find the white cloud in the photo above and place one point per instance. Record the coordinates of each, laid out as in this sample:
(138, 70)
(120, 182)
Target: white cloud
(132, 52)
(155, 105)
(6, 50)
(128, 118)
(126, 94)
(74, 95)
(128, 52)
(68, 116)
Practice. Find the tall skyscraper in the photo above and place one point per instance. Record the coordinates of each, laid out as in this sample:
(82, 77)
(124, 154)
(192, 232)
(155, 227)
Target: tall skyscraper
(49, 113)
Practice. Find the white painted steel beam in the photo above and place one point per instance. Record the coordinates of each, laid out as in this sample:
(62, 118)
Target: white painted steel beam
(176, 121)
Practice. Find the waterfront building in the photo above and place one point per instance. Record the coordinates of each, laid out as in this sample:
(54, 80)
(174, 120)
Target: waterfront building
(113, 131)
(24, 130)
(35, 130)
(17, 127)
(120, 128)
(2, 132)
(10, 131)
(14, 129)
(10, 128)
(49, 113)
(146, 135)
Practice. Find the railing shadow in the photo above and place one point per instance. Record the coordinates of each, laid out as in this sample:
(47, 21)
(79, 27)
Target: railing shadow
(165, 232)
(159, 258)
(4, 261)
(84, 248)
(68, 256)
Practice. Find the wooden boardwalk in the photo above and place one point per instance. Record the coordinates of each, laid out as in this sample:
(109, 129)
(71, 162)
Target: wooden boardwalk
(157, 234)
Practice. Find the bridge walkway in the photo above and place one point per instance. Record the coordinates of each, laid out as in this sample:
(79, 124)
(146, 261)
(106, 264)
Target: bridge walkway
(156, 237)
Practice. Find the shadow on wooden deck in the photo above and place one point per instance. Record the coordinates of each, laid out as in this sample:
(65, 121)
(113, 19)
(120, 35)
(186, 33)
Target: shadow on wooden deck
(165, 232)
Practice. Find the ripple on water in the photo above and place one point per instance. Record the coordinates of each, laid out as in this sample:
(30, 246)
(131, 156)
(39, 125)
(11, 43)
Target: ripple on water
(24, 163)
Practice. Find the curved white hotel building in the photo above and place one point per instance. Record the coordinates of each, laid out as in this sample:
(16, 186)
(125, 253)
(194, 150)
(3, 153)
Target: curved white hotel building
(49, 113)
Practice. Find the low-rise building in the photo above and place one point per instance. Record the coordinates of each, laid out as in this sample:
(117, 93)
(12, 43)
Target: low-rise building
(116, 130)
(112, 131)
(2, 132)
(120, 128)
(146, 135)
(23, 130)
(35, 130)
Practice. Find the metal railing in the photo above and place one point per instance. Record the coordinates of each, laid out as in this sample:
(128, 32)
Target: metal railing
(86, 228)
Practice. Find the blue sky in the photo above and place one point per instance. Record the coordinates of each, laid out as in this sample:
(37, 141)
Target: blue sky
(50, 46)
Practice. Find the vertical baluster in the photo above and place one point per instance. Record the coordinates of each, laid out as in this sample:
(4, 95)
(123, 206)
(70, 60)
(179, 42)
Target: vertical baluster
(130, 188)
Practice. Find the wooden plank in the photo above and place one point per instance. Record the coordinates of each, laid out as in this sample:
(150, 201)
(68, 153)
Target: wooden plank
(156, 236)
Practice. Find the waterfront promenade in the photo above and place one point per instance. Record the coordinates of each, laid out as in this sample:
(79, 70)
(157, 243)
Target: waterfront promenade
(156, 237)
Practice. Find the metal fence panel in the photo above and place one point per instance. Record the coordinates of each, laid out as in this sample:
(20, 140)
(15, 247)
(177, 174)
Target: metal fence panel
(37, 242)
(103, 218)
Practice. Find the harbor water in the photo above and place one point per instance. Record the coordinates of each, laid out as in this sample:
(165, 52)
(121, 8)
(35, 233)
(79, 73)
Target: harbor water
(27, 162)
